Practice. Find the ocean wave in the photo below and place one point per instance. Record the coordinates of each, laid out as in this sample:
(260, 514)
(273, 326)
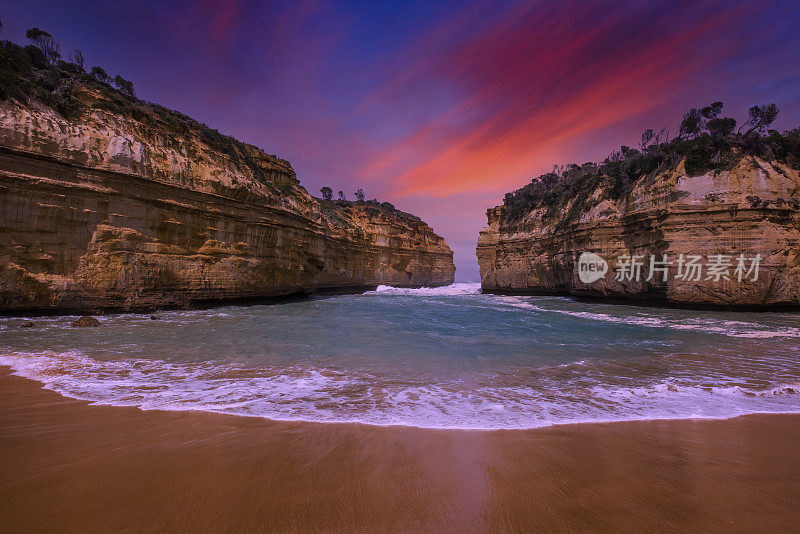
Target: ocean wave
(738, 329)
(453, 289)
(306, 393)
(447, 357)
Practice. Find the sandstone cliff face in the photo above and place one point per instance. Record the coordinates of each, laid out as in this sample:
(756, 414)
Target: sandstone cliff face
(108, 211)
(751, 209)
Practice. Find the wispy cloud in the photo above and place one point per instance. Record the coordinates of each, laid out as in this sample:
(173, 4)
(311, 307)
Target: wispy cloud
(438, 107)
(528, 88)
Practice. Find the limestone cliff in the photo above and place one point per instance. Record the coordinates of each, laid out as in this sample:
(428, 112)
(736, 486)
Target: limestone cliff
(749, 208)
(134, 206)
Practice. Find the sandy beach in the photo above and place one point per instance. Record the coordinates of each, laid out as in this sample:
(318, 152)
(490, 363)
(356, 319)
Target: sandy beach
(68, 466)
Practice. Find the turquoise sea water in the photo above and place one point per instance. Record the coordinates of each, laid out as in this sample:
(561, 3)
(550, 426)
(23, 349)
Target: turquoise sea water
(442, 358)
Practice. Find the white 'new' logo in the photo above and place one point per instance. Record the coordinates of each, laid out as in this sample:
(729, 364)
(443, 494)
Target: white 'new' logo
(591, 267)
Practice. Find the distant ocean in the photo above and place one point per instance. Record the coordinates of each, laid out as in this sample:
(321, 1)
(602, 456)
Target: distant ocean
(441, 358)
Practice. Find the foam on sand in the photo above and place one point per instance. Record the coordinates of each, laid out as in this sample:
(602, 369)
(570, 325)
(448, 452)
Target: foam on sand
(325, 395)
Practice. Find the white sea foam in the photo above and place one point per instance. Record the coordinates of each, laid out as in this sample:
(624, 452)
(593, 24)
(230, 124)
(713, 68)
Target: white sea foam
(322, 395)
(740, 329)
(453, 289)
(447, 357)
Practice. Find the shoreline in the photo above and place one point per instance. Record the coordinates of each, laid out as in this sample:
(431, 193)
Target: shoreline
(70, 465)
(6, 370)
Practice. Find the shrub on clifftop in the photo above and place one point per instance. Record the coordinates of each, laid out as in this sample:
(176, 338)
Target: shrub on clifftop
(706, 143)
(27, 76)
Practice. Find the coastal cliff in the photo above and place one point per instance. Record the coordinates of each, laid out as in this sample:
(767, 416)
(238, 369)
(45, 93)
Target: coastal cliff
(111, 202)
(726, 206)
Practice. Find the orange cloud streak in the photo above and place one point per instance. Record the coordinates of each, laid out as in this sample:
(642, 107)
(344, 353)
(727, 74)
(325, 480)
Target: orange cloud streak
(570, 97)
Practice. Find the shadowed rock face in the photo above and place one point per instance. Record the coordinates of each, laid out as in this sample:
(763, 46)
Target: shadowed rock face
(108, 211)
(751, 209)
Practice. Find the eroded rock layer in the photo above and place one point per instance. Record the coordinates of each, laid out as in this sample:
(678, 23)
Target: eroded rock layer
(749, 210)
(115, 212)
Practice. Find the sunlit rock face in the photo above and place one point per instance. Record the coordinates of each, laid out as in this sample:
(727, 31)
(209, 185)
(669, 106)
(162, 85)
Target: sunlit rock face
(750, 210)
(110, 211)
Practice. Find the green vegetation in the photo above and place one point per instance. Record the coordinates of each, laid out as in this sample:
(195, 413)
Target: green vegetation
(327, 194)
(373, 206)
(125, 87)
(706, 143)
(36, 73)
(100, 75)
(47, 45)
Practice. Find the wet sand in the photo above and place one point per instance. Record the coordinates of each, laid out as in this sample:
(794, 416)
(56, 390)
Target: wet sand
(68, 466)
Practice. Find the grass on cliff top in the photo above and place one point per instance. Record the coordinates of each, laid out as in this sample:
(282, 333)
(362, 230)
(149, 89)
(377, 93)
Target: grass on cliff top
(27, 76)
(371, 207)
(706, 143)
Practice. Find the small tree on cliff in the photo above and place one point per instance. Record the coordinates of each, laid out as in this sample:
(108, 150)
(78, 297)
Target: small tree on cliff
(691, 124)
(100, 74)
(327, 193)
(759, 117)
(651, 138)
(46, 43)
(647, 137)
(360, 195)
(712, 111)
(76, 58)
(721, 128)
(341, 196)
(125, 86)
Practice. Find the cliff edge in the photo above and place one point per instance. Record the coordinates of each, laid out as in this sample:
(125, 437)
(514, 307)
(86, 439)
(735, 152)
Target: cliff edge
(709, 219)
(110, 202)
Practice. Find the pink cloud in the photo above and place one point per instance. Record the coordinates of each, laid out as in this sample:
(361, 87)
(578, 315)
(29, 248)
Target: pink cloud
(539, 83)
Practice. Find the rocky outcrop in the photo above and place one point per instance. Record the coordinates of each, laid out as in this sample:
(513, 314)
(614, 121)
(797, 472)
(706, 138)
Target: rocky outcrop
(749, 210)
(87, 321)
(144, 210)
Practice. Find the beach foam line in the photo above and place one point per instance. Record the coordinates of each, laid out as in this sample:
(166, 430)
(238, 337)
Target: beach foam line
(327, 396)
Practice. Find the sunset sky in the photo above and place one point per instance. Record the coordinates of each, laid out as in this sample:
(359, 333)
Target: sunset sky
(438, 107)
